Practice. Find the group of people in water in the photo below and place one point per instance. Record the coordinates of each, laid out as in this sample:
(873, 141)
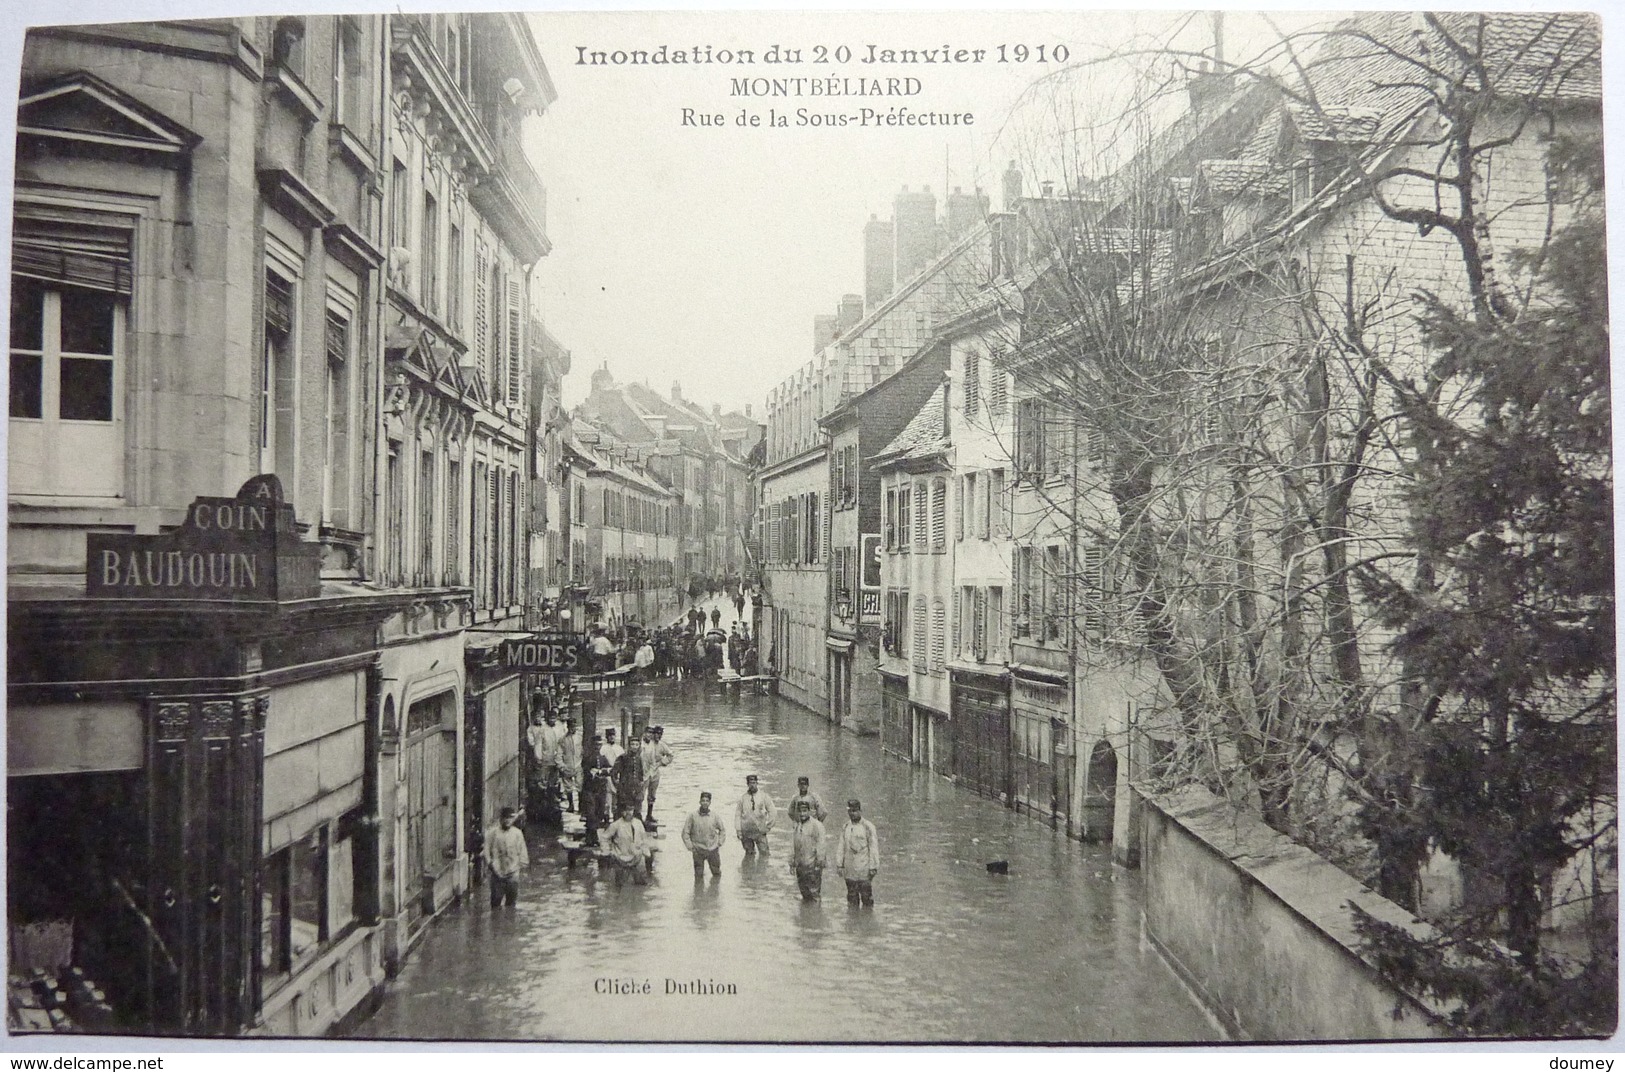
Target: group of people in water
(615, 788)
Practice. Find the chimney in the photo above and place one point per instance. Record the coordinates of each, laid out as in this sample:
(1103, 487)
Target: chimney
(676, 391)
(1207, 87)
(851, 311)
(879, 264)
(914, 233)
(747, 409)
(825, 330)
(965, 211)
(1012, 187)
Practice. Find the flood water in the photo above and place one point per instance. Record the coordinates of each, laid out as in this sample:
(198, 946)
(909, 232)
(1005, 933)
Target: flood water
(1052, 952)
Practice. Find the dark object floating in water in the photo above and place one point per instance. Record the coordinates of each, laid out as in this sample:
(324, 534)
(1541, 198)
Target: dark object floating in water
(999, 867)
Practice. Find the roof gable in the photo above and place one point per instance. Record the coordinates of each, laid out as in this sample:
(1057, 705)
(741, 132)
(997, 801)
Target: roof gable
(83, 108)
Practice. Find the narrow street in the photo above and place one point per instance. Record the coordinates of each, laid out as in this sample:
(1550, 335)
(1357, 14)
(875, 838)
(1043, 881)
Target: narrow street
(949, 952)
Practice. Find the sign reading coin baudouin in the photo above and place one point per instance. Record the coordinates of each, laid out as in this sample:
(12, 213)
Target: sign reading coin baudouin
(553, 653)
(243, 549)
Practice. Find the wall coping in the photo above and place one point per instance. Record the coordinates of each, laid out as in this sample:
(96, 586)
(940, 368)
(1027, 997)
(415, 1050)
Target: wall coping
(1311, 887)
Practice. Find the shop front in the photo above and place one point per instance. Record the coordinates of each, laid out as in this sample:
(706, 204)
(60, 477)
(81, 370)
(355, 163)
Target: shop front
(189, 817)
(981, 716)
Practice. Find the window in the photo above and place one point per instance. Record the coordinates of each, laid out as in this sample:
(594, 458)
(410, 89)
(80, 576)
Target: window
(895, 630)
(278, 397)
(967, 496)
(888, 538)
(336, 421)
(1030, 439)
(903, 518)
(939, 515)
(995, 625)
(430, 240)
(401, 224)
(426, 518)
(814, 529)
(454, 276)
(973, 386)
(1055, 593)
(454, 515)
(965, 641)
(294, 911)
(70, 289)
(1026, 592)
(1057, 435)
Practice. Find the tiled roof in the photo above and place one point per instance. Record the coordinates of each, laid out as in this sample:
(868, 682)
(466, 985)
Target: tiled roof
(922, 435)
(1229, 177)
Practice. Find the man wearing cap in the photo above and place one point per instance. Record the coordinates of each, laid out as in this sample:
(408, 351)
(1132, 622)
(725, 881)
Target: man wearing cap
(656, 754)
(857, 857)
(569, 764)
(805, 795)
(595, 810)
(703, 835)
(753, 817)
(631, 777)
(505, 849)
(627, 845)
(807, 851)
(612, 751)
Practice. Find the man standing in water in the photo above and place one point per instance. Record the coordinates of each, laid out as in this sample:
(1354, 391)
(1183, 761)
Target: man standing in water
(857, 857)
(703, 835)
(656, 754)
(505, 849)
(807, 852)
(753, 817)
(625, 841)
(805, 795)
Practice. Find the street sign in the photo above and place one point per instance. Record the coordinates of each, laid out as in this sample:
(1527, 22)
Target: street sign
(240, 550)
(545, 653)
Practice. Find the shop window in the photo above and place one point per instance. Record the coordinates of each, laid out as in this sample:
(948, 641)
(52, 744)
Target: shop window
(294, 909)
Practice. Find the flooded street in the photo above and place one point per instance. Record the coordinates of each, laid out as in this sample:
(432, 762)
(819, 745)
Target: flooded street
(1049, 953)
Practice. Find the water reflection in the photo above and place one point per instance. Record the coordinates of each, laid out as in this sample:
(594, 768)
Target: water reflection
(1049, 952)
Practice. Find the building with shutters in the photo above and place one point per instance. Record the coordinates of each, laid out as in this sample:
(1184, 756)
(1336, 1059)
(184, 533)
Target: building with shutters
(916, 574)
(858, 429)
(269, 454)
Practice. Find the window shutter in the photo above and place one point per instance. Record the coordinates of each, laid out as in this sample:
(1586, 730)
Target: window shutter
(482, 312)
(515, 353)
(939, 636)
(979, 626)
(998, 393)
(1094, 618)
(921, 644)
(973, 385)
(939, 515)
(278, 303)
(72, 254)
(922, 517)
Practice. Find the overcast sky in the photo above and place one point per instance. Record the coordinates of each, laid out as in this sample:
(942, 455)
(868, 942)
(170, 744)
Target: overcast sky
(701, 254)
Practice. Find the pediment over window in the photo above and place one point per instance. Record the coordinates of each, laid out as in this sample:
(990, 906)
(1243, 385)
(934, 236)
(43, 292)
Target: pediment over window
(82, 108)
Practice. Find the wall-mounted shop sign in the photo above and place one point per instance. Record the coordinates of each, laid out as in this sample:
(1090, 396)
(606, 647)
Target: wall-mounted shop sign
(241, 550)
(544, 653)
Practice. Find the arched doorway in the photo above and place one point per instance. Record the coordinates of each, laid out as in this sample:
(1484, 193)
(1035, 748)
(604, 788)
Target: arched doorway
(1100, 793)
